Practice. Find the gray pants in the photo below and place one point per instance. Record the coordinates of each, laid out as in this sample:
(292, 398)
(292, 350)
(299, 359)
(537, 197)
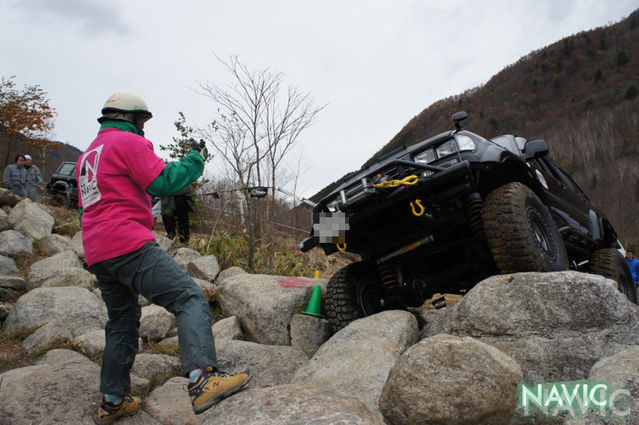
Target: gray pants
(150, 271)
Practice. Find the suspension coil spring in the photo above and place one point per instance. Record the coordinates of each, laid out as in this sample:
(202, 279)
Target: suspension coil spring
(387, 276)
(474, 206)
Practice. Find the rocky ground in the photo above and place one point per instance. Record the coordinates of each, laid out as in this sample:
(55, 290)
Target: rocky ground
(458, 365)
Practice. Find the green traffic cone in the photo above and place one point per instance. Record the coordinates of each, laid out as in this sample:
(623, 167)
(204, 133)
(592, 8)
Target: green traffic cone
(314, 307)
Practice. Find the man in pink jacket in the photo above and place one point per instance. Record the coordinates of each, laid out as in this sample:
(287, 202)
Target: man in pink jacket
(117, 176)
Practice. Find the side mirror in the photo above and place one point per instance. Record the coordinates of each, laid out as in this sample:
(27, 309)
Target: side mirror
(459, 117)
(535, 149)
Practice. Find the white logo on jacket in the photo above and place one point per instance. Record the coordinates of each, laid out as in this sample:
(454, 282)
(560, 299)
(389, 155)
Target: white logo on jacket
(89, 177)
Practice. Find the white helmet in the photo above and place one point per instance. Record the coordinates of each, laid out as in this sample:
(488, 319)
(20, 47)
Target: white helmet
(127, 106)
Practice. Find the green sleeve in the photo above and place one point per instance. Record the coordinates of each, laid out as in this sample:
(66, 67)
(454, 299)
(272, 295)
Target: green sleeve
(177, 175)
(80, 211)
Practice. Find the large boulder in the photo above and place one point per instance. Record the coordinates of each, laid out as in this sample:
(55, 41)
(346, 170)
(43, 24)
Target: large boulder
(169, 404)
(48, 336)
(156, 367)
(360, 356)
(451, 380)
(9, 277)
(308, 333)
(226, 273)
(226, 330)
(54, 243)
(156, 322)
(292, 405)
(27, 218)
(62, 260)
(77, 308)
(62, 390)
(265, 304)
(270, 364)
(14, 244)
(621, 372)
(205, 267)
(183, 256)
(71, 276)
(555, 325)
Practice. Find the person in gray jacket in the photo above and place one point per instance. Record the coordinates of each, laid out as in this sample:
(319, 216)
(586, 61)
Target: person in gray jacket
(35, 182)
(15, 177)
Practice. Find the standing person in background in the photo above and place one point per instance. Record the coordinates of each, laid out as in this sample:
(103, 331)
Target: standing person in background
(633, 265)
(15, 177)
(35, 181)
(175, 209)
(117, 176)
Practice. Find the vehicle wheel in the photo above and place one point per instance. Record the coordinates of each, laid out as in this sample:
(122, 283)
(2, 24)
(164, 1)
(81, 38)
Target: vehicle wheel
(521, 233)
(352, 292)
(608, 262)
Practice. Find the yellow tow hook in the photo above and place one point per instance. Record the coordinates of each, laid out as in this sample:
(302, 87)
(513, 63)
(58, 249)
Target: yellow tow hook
(421, 211)
(341, 246)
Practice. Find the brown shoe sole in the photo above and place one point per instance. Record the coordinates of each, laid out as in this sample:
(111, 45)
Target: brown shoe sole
(219, 397)
(99, 421)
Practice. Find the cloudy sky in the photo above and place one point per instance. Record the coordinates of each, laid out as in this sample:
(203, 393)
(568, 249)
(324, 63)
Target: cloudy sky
(374, 63)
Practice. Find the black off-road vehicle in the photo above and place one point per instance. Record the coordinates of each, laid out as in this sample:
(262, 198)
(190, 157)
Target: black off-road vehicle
(63, 186)
(439, 216)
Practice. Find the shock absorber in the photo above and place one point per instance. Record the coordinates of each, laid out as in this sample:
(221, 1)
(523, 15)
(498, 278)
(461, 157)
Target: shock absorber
(474, 206)
(387, 276)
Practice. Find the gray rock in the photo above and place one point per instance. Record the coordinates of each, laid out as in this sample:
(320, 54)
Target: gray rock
(71, 276)
(450, 380)
(555, 325)
(170, 344)
(166, 244)
(207, 288)
(62, 260)
(156, 322)
(61, 355)
(53, 244)
(14, 244)
(51, 335)
(226, 273)
(292, 405)
(621, 372)
(205, 267)
(183, 256)
(226, 330)
(91, 343)
(8, 266)
(169, 404)
(6, 208)
(77, 247)
(5, 224)
(67, 392)
(270, 364)
(265, 304)
(308, 333)
(27, 218)
(360, 356)
(156, 367)
(16, 283)
(77, 308)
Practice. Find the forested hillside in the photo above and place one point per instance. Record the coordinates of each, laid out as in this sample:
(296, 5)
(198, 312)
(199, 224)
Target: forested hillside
(580, 94)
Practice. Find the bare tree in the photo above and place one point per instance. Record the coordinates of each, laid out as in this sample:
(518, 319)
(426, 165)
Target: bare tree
(258, 124)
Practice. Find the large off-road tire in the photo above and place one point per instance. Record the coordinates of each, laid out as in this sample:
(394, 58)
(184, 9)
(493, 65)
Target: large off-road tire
(353, 292)
(521, 233)
(608, 262)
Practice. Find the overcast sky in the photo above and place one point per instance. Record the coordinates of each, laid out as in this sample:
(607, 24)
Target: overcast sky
(374, 63)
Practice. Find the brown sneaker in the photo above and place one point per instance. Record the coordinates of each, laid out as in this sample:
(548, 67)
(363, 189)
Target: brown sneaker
(214, 385)
(108, 412)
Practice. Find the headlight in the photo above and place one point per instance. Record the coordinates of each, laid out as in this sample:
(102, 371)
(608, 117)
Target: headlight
(446, 149)
(425, 157)
(464, 142)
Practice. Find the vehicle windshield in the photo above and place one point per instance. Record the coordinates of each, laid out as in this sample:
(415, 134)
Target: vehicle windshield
(67, 169)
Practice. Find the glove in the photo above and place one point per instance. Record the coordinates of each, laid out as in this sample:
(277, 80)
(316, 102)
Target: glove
(198, 146)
